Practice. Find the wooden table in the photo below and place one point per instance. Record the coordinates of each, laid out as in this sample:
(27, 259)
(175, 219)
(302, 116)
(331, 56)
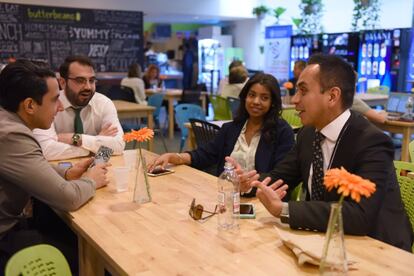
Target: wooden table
(406, 128)
(160, 238)
(128, 110)
(372, 99)
(171, 95)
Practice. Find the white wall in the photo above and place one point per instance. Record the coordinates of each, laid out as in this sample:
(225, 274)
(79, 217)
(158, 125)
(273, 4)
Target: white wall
(337, 17)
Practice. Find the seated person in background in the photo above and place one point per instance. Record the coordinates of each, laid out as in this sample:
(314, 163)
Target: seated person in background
(237, 79)
(224, 81)
(258, 137)
(88, 120)
(134, 82)
(334, 137)
(360, 106)
(297, 70)
(29, 98)
(151, 77)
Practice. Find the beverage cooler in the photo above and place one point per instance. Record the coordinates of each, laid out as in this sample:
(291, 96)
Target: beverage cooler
(211, 60)
(375, 58)
(301, 48)
(345, 45)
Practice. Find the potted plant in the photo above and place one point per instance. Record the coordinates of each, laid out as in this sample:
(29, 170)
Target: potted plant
(311, 16)
(365, 14)
(277, 12)
(260, 11)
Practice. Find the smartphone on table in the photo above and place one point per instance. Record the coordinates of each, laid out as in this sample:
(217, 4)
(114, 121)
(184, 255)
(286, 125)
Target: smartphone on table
(160, 171)
(247, 211)
(65, 165)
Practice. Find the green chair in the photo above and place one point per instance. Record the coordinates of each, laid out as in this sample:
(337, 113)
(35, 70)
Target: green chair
(296, 193)
(291, 117)
(411, 151)
(221, 108)
(379, 90)
(407, 188)
(41, 260)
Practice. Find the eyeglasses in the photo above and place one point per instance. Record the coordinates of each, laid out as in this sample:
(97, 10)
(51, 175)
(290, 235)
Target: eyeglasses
(196, 211)
(83, 81)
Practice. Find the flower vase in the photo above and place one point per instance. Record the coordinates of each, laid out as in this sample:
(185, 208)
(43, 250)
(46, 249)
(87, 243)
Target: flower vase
(141, 189)
(334, 260)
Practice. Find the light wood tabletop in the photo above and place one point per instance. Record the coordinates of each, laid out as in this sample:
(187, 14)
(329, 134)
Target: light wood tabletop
(128, 110)
(160, 238)
(173, 95)
(405, 128)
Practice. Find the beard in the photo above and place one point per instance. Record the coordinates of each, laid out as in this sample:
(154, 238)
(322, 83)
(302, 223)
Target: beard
(80, 98)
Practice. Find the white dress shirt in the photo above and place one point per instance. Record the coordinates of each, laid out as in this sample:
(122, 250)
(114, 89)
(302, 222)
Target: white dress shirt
(244, 153)
(331, 133)
(137, 85)
(99, 112)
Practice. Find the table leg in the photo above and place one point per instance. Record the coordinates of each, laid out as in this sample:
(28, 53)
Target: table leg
(89, 261)
(171, 117)
(150, 118)
(191, 142)
(204, 103)
(405, 144)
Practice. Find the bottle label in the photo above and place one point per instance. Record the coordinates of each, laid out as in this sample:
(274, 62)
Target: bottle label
(236, 203)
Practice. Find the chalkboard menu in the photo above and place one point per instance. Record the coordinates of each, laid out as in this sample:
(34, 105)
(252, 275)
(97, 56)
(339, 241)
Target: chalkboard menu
(112, 39)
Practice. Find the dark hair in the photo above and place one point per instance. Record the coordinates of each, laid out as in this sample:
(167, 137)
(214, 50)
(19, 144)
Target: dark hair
(21, 80)
(134, 71)
(238, 75)
(335, 72)
(152, 67)
(235, 63)
(271, 118)
(301, 64)
(64, 68)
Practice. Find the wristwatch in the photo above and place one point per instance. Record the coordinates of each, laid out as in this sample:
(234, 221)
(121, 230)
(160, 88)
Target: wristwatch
(284, 214)
(75, 139)
(284, 219)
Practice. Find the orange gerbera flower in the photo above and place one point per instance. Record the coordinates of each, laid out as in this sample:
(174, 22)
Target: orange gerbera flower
(141, 135)
(348, 184)
(288, 85)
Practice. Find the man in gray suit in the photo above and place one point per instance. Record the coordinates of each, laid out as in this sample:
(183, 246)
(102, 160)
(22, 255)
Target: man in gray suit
(29, 98)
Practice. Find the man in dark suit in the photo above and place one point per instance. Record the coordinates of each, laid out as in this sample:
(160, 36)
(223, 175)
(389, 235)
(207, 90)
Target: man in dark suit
(325, 91)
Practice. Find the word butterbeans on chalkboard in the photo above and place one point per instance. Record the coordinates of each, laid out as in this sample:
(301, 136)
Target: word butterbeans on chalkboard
(112, 39)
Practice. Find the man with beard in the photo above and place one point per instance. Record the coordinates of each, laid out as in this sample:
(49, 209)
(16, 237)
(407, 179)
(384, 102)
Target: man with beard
(88, 120)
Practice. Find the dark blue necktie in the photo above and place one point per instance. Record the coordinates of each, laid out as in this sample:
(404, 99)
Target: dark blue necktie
(317, 167)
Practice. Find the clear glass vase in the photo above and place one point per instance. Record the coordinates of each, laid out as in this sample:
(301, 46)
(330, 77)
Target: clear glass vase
(334, 260)
(142, 193)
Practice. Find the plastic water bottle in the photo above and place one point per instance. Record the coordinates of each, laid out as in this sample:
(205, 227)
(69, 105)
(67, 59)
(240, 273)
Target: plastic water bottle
(228, 199)
(409, 107)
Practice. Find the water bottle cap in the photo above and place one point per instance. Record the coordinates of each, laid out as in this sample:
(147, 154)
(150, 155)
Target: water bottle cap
(228, 165)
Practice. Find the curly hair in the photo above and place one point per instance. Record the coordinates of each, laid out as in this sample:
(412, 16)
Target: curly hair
(271, 118)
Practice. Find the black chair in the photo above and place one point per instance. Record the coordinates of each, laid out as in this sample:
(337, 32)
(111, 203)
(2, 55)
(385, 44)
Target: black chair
(234, 104)
(118, 92)
(204, 131)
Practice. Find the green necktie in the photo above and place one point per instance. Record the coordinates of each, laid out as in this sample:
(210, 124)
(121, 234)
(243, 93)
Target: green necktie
(78, 121)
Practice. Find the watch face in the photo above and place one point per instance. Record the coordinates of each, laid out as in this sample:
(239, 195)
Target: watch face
(75, 139)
